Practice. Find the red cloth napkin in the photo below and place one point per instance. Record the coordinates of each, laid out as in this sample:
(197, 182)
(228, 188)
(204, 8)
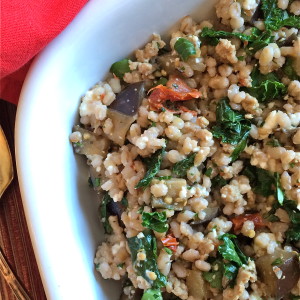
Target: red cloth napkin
(27, 26)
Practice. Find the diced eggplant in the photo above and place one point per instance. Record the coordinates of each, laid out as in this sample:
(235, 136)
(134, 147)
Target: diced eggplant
(160, 203)
(174, 202)
(123, 111)
(91, 143)
(129, 100)
(116, 209)
(196, 285)
(283, 275)
(167, 63)
(211, 212)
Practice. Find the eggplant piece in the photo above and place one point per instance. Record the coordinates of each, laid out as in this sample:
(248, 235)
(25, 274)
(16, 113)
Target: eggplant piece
(174, 187)
(167, 63)
(123, 111)
(211, 212)
(91, 143)
(197, 285)
(287, 268)
(116, 209)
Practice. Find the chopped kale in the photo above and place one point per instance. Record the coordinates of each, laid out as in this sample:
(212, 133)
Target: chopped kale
(231, 127)
(218, 182)
(162, 80)
(208, 172)
(265, 87)
(275, 18)
(184, 48)
(156, 221)
(262, 181)
(104, 214)
(120, 67)
(152, 294)
(153, 168)
(277, 261)
(289, 69)
(180, 168)
(146, 242)
(214, 277)
(273, 142)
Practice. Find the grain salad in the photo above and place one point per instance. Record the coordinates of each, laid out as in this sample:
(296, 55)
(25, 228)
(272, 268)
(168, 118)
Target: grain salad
(193, 147)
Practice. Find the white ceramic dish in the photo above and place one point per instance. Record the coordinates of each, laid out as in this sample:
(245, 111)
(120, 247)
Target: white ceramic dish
(60, 208)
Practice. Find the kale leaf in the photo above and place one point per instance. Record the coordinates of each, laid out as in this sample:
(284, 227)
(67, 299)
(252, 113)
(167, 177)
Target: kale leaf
(273, 142)
(156, 221)
(153, 168)
(230, 251)
(262, 181)
(214, 277)
(104, 214)
(180, 168)
(293, 233)
(184, 48)
(255, 41)
(265, 87)
(225, 267)
(289, 69)
(231, 127)
(275, 18)
(152, 294)
(218, 182)
(147, 244)
(119, 68)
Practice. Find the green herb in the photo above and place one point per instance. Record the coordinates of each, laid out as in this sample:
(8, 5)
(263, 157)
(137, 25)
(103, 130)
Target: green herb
(218, 182)
(226, 266)
(153, 168)
(184, 48)
(162, 80)
(277, 261)
(240, 146)
(153, 124)
(289, 69)
(293, 233)
(271, 217)
(94, 182)
(241, 58)
(265, 87)
(273, 142)
(164, 177)
(230, 251)
(292, 165)
(231, 127)
(163, 109)
(255, 41)
(156, 221)
(208, 172)
(78, 144)
(124, 202)
(275, 18)
(214, 277)
(120, 67)
(104, 214)
(259, 40)
(169, 251)
(212, 36)
(141, 209)
(147, 244)
(278, 192)
(181, 167)
(262, 181)
(120, 265)
(152, 294)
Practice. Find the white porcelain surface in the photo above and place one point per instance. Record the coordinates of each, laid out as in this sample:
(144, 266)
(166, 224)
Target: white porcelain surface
(61, 209)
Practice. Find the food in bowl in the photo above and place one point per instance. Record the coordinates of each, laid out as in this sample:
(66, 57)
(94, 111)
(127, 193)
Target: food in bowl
(194, 150)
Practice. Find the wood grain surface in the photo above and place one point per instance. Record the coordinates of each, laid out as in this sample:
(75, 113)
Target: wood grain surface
(14, 236)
